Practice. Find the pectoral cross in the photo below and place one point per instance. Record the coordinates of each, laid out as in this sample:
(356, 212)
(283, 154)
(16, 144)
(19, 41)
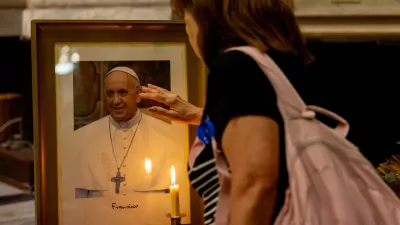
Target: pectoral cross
(117, 180)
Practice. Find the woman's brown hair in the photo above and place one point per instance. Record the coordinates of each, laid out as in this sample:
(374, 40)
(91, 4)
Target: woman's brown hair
(264, 24)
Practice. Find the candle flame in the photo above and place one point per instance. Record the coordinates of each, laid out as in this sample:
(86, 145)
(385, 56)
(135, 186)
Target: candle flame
(147, 166)
(173, 175)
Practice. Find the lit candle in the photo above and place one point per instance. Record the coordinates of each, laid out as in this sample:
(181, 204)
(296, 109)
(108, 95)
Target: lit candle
(174, 193)
(147, 166)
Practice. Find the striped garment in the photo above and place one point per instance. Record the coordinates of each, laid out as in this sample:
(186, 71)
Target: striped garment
(203, 176)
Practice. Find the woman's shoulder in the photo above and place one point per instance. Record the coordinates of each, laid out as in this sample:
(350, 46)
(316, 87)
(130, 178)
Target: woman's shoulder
(234, 64)
(240, 66)
(233, 58)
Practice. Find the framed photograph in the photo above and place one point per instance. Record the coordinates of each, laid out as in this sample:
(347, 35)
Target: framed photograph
(100, 156)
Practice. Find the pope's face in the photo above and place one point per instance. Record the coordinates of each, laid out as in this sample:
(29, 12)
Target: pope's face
(121, 95)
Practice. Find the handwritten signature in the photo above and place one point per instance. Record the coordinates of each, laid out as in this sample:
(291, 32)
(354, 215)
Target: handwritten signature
(129, 206)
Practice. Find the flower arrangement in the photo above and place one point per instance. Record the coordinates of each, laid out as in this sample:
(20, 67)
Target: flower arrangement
(390, 172)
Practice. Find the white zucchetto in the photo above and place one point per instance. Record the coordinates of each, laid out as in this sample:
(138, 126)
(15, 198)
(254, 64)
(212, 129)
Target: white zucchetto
(125, 70)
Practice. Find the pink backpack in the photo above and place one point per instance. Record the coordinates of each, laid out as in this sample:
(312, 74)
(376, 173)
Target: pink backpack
(330, 181)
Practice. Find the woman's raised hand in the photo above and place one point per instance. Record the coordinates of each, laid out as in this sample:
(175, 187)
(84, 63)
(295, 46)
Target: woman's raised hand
(179, 111)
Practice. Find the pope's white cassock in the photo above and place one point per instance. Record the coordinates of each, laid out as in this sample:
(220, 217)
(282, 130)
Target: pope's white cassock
(143, 137)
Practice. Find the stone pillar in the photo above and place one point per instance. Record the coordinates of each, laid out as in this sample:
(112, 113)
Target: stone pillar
(346, 7)
(11, 17)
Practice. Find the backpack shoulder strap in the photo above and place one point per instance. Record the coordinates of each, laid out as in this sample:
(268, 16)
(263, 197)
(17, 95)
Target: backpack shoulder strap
(290, 104)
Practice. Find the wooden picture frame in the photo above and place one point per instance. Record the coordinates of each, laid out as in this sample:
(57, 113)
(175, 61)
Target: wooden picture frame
(46, 36)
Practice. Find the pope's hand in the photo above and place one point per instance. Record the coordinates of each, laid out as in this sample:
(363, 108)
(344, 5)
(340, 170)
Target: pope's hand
(179, 110)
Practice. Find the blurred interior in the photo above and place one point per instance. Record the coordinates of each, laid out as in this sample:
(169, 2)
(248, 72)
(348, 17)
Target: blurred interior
(358, 80)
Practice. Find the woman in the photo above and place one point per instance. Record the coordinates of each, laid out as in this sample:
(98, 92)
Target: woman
(241, 102)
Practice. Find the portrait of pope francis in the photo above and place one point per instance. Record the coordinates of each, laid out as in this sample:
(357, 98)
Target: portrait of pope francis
(114, 150)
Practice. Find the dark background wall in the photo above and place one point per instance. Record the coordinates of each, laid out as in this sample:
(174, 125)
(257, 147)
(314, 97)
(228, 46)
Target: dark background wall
(359, 81)
(356, 80)
(15, 72)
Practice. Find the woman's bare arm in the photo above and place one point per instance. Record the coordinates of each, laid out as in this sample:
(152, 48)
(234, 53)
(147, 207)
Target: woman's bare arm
(251, 145)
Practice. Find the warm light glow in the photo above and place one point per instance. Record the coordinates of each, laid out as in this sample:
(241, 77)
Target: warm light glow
(65, 49)
(75, 57)
(63, 58)
(64, 68)
(65, 64)
(174, 194)
(147, 166)
(173, 175)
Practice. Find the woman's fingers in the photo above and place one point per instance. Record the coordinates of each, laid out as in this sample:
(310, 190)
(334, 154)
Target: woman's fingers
(158, 94)
(149, 90)
(170, 114)
(151, 86)
(154, 96)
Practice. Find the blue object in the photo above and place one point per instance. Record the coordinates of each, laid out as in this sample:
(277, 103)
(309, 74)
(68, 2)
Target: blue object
(206, 131)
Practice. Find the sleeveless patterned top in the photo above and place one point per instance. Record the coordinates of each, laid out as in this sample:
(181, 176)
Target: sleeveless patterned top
(203, 177)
